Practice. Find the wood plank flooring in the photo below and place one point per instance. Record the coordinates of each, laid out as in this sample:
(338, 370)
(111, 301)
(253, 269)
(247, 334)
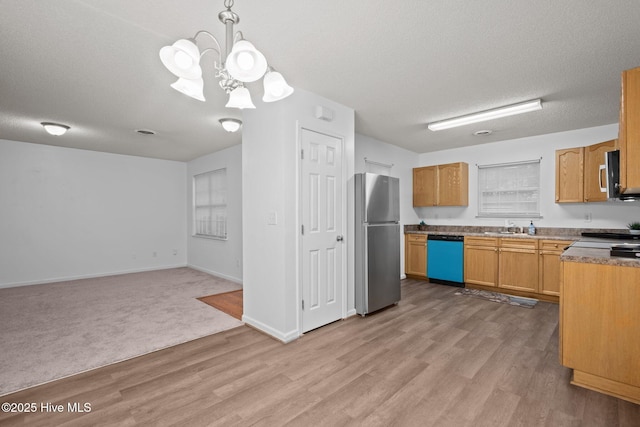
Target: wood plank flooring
(227, 302)
(435, 359)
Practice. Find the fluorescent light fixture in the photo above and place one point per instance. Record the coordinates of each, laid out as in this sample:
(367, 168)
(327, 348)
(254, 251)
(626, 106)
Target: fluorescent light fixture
(230, 125)
(55, 129)
(509, 110)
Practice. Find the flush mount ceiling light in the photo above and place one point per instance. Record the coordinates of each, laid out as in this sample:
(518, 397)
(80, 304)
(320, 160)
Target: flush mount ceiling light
(55, 129)
(509, 110)
(230, 125)
(238, 63)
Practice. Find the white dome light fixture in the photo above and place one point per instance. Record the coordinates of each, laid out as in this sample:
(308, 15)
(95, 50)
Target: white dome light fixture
(55, 129)
(230, 125)
(238, 62)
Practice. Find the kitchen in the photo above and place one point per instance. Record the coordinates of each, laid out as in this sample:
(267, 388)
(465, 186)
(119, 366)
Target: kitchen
(591, 271)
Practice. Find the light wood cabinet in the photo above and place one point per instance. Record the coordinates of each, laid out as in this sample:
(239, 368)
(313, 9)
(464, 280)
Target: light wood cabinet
(594, 175)
(481, 260)
(441, 185)
(425, 186)
(629, 132)
(521, 266)
(415, 255)
(453, 184)
(570, 175)
(600, 327)
(518, 264)
(578, 173)
(549, 266)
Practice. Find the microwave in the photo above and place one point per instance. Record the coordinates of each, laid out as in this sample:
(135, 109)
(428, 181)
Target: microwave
(612, 167)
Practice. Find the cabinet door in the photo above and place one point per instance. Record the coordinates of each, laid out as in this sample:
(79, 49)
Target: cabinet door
(569, 175)
(453, 184)
(629, 131)
(518, 269)
(481, 265)
(416, 255)
(593, 175)
(424, 186)
(549, 273)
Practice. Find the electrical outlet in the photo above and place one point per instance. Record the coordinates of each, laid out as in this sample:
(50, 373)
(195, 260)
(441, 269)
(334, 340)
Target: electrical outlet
(175, 252)
(272, 218)
(587, 217)
(154, 254)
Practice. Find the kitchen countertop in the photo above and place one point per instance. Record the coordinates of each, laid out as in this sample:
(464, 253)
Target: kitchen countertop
(597, 255)
(590, 255)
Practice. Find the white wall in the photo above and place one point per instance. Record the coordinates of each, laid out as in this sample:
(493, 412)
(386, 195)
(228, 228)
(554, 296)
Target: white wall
(222, 258)
(68, 213)
(604, 214)
(270, 160)
(403, 162)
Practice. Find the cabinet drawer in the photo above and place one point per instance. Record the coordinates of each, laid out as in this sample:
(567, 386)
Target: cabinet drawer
(519, 243)
(480, 241)
(554, 245)
(422, 238)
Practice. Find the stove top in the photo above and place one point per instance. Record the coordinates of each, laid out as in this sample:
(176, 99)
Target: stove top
(617, 236)
(627, 250)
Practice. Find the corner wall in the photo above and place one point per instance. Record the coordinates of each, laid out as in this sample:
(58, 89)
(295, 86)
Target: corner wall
(222, 258)
(270, 160)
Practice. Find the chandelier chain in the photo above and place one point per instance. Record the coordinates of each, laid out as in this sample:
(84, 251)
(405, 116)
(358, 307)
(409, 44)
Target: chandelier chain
(228, 4)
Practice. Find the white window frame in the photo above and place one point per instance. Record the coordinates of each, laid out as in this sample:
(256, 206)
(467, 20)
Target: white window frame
(210, 204)
(509, 190)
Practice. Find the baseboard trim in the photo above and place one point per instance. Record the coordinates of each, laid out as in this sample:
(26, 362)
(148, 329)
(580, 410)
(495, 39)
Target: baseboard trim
(285, 337)
(216, 273)
(88, 276)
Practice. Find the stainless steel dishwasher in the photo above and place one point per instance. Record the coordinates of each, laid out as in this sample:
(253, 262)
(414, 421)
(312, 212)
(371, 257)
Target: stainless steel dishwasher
(445, 259)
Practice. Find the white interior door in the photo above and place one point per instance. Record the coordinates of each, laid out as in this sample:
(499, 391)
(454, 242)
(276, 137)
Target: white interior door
(322, 232)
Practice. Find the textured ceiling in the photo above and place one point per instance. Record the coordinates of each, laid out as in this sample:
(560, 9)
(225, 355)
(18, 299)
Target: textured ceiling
(93, 64)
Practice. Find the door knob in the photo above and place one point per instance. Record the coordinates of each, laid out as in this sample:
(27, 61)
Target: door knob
(339, 238)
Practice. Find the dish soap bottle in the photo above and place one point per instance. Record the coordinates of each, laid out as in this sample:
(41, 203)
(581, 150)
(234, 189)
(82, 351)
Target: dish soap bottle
(532, 229)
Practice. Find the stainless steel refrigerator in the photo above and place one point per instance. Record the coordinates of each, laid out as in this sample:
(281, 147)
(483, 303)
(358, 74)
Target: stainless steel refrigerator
(377, 246)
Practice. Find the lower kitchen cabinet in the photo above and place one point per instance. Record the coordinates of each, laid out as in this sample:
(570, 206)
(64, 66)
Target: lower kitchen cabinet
(549, 273)
(518, 264)
(415, 255)
(600, 326)
(481, 260)
(521, 266)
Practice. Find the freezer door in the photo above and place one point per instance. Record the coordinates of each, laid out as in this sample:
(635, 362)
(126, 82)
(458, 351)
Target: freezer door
(383, 266)
(382, 198)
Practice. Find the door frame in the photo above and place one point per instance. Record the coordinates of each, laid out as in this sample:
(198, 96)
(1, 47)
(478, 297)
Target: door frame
(346, 229)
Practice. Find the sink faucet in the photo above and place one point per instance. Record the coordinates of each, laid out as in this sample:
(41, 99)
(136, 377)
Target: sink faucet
(507, 225)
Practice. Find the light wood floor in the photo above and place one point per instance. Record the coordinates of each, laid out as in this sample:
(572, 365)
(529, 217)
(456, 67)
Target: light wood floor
(435, 359)
(227, 302)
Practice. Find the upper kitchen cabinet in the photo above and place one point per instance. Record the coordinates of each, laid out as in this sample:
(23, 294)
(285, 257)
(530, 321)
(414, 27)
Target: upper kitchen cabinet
(569, 175)
(595, 176)
(425, 186)
(629, 132)
(580, 171)
(441, 185)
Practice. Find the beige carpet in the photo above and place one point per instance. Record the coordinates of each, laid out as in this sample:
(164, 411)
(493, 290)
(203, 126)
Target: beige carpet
(51, 331)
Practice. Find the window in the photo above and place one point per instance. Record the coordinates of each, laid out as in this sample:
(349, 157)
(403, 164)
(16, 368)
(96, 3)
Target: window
(509, 190)
(210, 204)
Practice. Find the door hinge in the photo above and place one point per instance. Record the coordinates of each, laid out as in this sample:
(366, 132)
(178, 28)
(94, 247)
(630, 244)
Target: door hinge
(302, 229)
(303, 304)
(302, 154)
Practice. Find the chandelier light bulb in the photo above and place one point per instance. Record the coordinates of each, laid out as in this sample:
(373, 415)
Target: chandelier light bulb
(183, 60)
(275, 87)
(245, 61)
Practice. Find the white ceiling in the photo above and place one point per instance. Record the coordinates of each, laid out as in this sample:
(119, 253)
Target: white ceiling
(94, 65)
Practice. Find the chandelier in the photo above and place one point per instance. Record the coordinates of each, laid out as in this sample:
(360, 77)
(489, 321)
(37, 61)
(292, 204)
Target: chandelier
(238, 63)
